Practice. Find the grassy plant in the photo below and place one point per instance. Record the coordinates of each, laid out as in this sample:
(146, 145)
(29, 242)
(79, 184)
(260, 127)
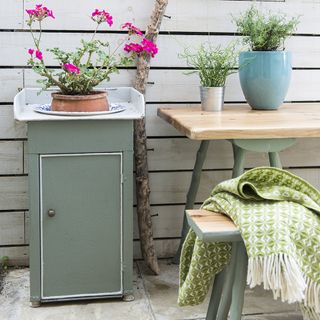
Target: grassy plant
(265, 32)
(213, 64)
(4, 262)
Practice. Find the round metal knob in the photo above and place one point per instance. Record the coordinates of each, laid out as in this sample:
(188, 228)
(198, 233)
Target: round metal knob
(51, 213)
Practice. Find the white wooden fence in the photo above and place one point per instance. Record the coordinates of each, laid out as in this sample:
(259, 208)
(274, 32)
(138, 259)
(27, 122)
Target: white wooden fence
(171, 156)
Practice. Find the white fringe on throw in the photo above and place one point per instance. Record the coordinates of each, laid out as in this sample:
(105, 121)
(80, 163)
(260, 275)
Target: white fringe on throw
(281, 274)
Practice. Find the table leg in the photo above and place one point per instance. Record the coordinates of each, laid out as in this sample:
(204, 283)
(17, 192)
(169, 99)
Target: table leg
(239, 157)
(191, 196)
(274, 160)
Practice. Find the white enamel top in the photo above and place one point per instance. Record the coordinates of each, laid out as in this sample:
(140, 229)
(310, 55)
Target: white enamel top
(25, 100)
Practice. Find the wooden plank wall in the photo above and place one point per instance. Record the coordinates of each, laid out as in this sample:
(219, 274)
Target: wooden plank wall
(171, 156)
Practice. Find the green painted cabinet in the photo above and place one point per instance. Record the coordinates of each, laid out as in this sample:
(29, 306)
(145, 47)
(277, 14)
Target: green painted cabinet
(80, 187)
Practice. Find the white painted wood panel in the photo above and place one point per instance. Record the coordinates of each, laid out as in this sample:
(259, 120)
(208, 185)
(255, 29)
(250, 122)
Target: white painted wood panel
(79, 19)
(11, 15)
(10, 81)
(155, 126)
(18, 256)
(26, 227)
(12, 228)
(11, 157)
(306, 50)
(172, 187)
(175, 86)
(187, 15)
(180, 154)
(9, 128)
(13, 193)
(215, 16)
(165, 248)
(166, 187)
(25, 158)
(166, 221)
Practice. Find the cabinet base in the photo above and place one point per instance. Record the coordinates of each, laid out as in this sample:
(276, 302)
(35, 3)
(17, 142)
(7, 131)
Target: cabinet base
(128, 297)
(35, 304)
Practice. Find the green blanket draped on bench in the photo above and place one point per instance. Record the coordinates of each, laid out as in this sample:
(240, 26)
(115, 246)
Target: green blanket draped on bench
(278, 215)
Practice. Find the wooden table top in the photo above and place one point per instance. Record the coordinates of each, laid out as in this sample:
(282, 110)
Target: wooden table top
(239, 121)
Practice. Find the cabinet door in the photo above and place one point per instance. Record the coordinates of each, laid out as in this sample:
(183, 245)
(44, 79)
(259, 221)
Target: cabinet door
(81, 225)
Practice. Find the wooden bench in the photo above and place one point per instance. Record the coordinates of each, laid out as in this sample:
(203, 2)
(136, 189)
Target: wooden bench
(229, 285)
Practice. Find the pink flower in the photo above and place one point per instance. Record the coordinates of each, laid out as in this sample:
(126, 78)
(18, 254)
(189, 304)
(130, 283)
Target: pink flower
(31, 51)
(132, 29)
(102, 16)
(149, 47)
(144, 46)
(95, 13)
(49, 13)
(40, 13)
(31, 12)
(71, 68)
(133, 47)
(39, 55)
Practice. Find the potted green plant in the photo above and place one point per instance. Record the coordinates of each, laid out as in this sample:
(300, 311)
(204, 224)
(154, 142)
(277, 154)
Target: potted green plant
(266, 69)
(82, 70)
(214, 65)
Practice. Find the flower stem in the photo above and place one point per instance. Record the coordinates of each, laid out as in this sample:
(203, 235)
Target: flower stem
(45, 72)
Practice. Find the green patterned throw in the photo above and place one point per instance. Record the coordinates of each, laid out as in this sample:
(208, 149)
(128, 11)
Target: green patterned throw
(278, 215)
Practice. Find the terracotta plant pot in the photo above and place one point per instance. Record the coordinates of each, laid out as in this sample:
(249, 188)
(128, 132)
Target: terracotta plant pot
(96, 101)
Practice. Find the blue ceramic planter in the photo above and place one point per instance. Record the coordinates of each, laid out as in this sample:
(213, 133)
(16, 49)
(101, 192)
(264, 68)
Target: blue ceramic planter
(265, 77)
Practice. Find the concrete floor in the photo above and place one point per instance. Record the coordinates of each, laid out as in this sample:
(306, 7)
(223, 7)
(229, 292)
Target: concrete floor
(155, 299)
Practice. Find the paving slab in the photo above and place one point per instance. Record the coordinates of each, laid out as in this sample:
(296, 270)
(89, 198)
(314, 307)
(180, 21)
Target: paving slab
(258, 300)
(276, 316)
(163, 293)
(14, 302)
(155, 299)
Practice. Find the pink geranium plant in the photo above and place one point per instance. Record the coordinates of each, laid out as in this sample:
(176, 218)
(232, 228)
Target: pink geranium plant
(90, 64)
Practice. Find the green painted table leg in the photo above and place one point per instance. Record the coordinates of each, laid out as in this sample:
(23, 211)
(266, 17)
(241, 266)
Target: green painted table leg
(226, 296)
(216, 295)
(239, 157)
(274, 160)
(193, 189)
(239, 283)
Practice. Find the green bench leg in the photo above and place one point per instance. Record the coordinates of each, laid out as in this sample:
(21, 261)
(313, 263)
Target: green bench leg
(239, 283)
(225, 301)
(216, 295)
(192, 193)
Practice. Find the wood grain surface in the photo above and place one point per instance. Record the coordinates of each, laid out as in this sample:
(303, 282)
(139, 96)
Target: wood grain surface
(208, 221)
(240, 122)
